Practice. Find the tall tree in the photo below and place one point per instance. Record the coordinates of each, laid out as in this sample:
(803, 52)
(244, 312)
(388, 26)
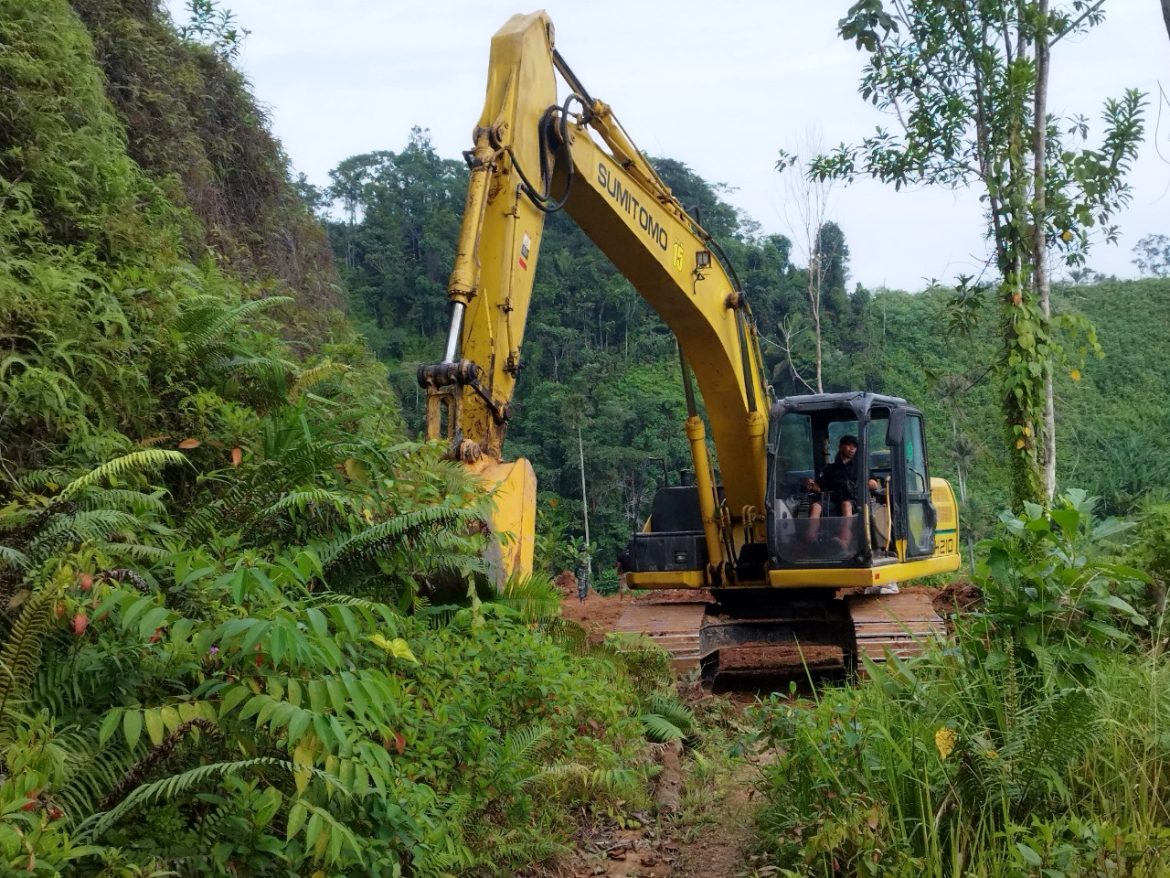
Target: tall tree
(806, 208)
(832, 254)
(967, 83)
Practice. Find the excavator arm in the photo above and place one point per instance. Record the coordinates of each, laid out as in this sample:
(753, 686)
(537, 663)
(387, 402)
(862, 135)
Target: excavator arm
(533, 156)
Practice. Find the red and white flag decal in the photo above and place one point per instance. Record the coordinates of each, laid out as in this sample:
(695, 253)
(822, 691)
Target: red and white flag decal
(525, 245)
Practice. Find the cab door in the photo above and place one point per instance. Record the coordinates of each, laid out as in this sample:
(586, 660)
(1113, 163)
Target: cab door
(913, 475)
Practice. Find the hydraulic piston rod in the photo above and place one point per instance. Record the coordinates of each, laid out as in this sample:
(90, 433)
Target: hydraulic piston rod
(453, 334)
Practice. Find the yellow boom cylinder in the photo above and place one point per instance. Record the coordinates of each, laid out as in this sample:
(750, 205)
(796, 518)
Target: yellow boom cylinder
(697, 436)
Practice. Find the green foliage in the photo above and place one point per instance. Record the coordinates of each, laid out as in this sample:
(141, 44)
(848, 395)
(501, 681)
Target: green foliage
(193, 126)
(1002, 755)
(1153, 255)
(1052, 599)
(213, 26)
(595, 356)
(217, 551)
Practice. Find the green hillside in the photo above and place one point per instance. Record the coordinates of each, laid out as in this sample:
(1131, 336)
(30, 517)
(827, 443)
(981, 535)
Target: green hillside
(220, 557)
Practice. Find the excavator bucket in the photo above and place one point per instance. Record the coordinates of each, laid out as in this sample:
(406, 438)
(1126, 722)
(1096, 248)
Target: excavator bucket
(512, 525)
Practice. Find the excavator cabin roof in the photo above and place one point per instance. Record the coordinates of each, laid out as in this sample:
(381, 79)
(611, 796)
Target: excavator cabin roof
(857, 400)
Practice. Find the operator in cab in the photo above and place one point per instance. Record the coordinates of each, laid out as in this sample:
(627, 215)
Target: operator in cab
(836, 486)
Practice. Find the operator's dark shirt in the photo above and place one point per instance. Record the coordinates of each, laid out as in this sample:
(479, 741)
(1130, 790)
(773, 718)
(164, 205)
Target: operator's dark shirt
(839, 479)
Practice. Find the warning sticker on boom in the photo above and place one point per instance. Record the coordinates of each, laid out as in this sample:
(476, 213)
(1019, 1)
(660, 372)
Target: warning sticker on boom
(525, 246)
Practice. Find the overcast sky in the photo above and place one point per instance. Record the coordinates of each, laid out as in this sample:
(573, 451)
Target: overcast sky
(721, 85)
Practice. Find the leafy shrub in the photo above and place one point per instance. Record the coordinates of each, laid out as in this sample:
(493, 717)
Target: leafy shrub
(1032, 744)
(1053, 594)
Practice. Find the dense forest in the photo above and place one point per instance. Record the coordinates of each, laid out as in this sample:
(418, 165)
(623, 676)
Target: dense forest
(245, 623)
(597, 358)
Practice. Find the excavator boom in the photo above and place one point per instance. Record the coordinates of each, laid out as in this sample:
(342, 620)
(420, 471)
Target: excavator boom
(532, 156)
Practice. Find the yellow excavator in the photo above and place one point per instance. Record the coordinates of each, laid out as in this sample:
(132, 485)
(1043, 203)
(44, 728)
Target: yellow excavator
(787, 559)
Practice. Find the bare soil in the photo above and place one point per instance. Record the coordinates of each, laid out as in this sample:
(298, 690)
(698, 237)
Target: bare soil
(668, 845)
(665, 845)
(598, 615)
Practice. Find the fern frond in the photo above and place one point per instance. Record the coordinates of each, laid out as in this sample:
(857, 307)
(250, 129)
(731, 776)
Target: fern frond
(136, 502)
(520, 745)
(14, 517)
(534, 597)
(135, 461)
(1047, 738)
(140, 552)
(94, 769)
(201, 327)
(169, 788)
(50, 478)
(659, 729)
(14, 558)
(590, 782)
(98, 524)
(376, 539)
(315, 375)
(21, 655)
(673, 710)
(302, 500)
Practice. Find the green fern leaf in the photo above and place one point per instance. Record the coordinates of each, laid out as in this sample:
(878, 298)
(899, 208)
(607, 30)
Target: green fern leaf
(315, 375)
(660, 729)
(14, 558)
(135, 461)
(21, 654)
(171, 787)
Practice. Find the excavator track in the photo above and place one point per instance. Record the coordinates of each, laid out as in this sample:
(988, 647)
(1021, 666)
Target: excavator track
(802, 637)
(897, 624)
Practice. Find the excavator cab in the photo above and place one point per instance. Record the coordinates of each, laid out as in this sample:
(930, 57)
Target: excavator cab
(887, 523)
(883, 514)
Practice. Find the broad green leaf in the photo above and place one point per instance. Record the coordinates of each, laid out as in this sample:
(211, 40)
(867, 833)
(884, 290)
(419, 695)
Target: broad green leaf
(232, 700)
(109, 725)
(152, 621)
(132, 727)
(397, 647)
(1030, 856)
(296, 819)
(180, 630)
(155, 728)
(313, 832)
(1068, 519)
(170, 718)
(318, 622)
(299, 725)
(136, 609)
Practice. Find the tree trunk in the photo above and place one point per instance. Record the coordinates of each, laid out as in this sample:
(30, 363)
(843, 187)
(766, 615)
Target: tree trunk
(815, 282)
(1040, 279)
(1166, 15)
